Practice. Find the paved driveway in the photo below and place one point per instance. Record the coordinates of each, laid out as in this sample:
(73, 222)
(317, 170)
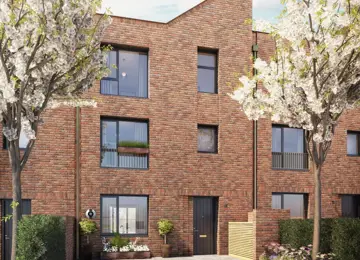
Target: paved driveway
(199, 257)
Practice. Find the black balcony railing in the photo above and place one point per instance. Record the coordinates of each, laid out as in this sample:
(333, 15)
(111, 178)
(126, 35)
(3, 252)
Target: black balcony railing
(294, 161)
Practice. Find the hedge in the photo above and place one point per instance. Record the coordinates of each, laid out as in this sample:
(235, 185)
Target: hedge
(339, 236)
(41, 237)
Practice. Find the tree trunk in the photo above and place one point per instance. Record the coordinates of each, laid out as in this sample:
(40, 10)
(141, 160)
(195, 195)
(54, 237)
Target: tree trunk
(317, 210)
(16, 196)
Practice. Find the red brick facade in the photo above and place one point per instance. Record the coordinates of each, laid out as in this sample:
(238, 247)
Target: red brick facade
(177, 172)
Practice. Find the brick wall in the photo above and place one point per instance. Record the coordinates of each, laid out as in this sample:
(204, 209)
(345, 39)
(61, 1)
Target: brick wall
(266, 227)
(177, 172)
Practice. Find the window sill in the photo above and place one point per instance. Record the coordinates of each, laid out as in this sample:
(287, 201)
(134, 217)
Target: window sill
(124, 96)
(204, 92)
(123, 168)
(125, 235)
(201, 152)
(289, 169)
(353, 155)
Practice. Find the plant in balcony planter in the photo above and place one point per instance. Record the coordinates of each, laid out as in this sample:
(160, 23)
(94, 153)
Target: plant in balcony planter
(165, 227)
(133, 147)
(87, 227)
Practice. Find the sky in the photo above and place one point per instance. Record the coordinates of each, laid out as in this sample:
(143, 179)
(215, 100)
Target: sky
(165, 10)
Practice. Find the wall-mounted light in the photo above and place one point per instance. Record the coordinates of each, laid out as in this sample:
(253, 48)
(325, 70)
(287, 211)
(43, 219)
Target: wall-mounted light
(123, 74)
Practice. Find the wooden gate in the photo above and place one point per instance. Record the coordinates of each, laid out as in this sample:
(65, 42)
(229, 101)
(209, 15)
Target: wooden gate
(241, 240)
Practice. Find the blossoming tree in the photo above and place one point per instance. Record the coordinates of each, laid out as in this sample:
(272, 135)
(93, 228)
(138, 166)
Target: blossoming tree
(50, 54)
(312, 79)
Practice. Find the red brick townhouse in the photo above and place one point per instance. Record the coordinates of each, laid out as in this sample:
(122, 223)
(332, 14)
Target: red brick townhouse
(170, 91)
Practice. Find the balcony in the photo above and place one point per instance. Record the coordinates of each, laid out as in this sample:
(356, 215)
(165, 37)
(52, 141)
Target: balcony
(290, 161)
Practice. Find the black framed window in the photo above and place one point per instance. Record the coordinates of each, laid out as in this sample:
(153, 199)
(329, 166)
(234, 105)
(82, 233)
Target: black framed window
(295, 202)
(207, 139)
(207, 72)
(23, 141)
(353, 143)
(288, 148)
(350, 206)
(114, 132)
(129, 74)
(126, 215)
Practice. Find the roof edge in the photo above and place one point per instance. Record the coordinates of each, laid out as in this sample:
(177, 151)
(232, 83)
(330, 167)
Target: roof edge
(163, 23)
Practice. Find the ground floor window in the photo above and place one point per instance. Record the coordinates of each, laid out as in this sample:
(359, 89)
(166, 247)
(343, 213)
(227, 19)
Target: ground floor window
(124, 214)
(350, 206)
(295, 202)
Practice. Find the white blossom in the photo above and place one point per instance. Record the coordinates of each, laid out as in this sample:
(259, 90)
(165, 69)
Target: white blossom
(314, 74)
(49, 55)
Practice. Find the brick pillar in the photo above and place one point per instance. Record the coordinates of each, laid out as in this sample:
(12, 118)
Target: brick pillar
(266, 227)
(69, 238)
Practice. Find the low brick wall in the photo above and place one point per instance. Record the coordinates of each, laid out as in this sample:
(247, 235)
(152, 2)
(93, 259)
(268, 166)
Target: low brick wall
(266, 227)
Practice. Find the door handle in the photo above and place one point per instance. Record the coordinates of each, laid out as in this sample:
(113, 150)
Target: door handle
(7, 237)
(195, 230)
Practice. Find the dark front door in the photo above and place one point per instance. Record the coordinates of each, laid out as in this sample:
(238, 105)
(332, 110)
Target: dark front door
(7, 226)
(205, 223)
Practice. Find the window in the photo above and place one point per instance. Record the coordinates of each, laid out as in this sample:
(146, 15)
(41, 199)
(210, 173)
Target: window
(350, 206)
(207, 139)
(23, 141)
(129, 74)
(207, 72)
(288, 148)
(353, 143)
(113, 133)
(297, 203)
(127, 215)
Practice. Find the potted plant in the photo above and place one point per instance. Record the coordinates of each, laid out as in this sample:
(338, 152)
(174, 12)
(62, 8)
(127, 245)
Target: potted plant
(120, 248)
(133, 147)
(87, 227)
(165, 227)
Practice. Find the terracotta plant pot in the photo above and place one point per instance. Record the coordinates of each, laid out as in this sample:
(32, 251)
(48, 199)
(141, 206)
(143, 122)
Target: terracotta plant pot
(134, 150)
(142, 255)
(165, 250)
(124, 255)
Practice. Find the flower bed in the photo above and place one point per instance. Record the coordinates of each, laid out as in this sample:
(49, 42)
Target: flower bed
(275, 251)
(130, 251)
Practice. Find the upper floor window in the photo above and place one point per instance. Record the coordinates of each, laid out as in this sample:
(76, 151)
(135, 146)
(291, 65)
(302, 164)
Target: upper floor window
(124, 144)
(207, 72)
(129, 74)
(296, 203)
(126, 215)
(288, 148)
(23, 141)
(353, 143)
(207, 139)
(350, 206)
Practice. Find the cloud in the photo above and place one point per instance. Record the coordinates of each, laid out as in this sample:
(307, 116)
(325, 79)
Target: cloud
(154, 10)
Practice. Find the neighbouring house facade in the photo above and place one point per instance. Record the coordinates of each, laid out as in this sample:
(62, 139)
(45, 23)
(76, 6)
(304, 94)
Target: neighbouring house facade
(167, 141)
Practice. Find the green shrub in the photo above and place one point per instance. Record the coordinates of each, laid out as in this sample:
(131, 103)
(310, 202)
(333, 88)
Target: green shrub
(41, 237)
(340, 236)
(299, 232)
(346, 239)
(133, 144)
(165, 227)
(119, 242)
(87, 226)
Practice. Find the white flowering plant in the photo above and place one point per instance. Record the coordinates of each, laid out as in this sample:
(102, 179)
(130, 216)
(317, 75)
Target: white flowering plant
(130, 247)
(276, 251)
(50, 53)
(313, 77)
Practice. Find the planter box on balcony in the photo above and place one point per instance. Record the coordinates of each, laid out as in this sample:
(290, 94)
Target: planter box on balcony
(124, 255)
(134, 150)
